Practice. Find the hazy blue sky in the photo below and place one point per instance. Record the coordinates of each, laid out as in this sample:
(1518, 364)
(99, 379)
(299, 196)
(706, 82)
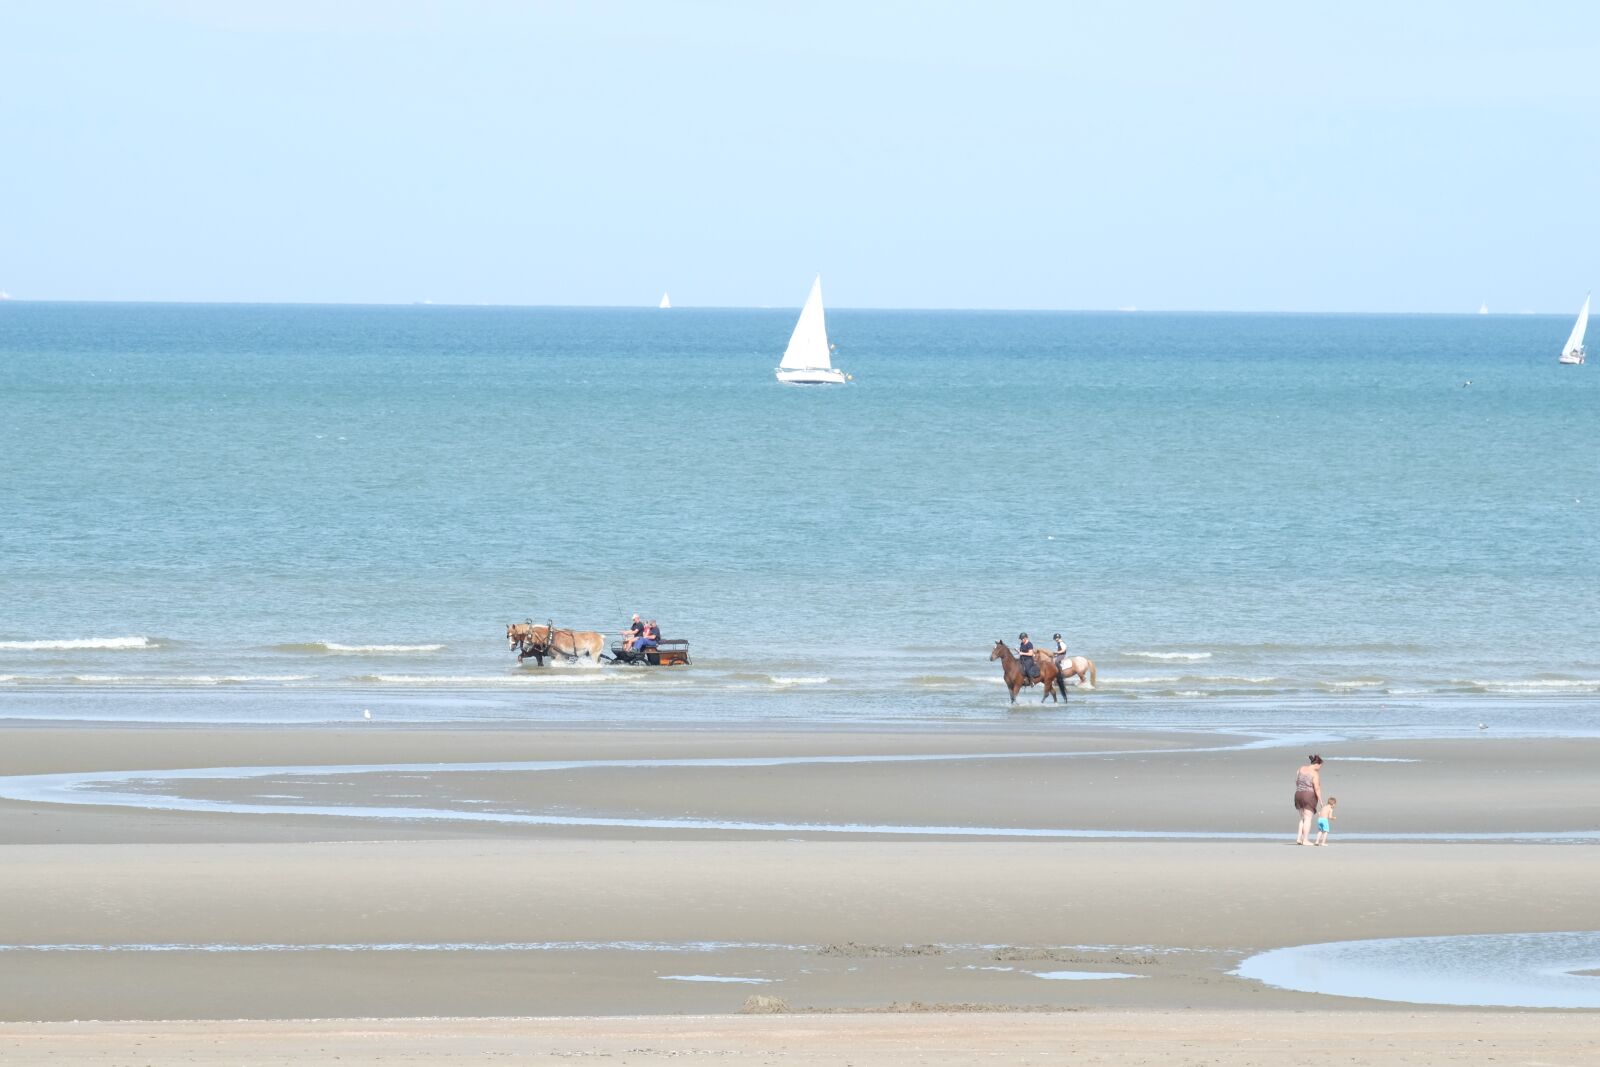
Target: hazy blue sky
(1355, 156)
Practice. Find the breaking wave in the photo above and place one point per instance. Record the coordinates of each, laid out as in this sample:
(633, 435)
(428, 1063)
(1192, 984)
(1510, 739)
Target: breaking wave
(177, 679)
(782, 681)
(1355, 683)
(1188, 657)
(79, 643)
(1537, 685)
(523, 678)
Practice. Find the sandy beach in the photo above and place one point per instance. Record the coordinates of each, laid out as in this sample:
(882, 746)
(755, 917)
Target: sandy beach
(1114, 1039)
(871, 872)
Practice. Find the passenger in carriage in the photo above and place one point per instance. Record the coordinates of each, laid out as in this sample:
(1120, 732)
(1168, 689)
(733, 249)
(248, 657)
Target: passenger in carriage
(632, 634)
(649, 639)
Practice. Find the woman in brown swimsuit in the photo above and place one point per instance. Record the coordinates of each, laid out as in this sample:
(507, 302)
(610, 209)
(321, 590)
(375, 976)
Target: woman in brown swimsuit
(1307, 795)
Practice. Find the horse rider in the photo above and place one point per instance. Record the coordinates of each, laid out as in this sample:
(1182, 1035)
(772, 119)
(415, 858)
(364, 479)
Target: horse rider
(1030, 666)
(1060, 652)
(632, 634)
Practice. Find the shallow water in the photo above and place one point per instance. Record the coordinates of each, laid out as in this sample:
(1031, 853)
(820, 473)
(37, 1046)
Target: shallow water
(1485, 970)
(183, 789)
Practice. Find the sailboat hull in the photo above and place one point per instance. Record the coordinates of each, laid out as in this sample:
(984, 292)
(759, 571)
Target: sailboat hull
(818, 376)
(1571, 359)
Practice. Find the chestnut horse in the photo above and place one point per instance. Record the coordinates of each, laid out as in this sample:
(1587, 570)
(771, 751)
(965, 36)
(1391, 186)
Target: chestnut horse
(547, 641)
(1016, 680)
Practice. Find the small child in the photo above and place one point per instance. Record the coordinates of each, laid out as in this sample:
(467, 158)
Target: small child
(1324, 817)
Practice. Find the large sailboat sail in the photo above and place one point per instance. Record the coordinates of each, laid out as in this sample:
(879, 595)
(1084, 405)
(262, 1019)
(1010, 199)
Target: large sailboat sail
(808, 360)
(1572, 351)
(808, 345)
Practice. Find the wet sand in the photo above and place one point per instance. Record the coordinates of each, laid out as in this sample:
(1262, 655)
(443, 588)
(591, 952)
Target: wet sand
(216, 915)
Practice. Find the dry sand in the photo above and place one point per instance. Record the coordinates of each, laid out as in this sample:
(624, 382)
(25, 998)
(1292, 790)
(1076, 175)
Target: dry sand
(831, 921)
(1108, 1039)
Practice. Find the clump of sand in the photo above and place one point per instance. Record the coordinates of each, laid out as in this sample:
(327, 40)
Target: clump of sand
(857, 951)
(760, 1005)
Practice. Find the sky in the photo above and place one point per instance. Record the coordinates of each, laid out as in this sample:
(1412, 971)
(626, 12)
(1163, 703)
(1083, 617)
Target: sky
(1268, 156)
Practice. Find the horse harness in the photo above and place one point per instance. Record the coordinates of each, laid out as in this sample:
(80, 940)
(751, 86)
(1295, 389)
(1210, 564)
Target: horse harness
(550, 648)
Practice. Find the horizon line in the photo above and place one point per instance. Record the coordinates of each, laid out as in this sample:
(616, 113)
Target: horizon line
(1131, 310)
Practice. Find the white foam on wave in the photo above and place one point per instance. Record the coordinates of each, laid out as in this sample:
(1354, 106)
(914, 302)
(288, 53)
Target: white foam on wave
(1198, 679)
(1356, 683)
(78, 643)
(521, 678)
(181, 679)
(786, 680)
(336, 647)
(1533, 685)
(1372, 759)
(1191, 657)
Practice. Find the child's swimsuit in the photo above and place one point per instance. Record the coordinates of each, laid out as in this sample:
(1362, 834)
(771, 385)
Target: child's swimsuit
(1322, 825)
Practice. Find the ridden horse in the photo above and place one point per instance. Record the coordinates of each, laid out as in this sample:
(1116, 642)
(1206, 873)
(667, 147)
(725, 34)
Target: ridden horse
(548, 641)
(1082, 667)
(1016, 680)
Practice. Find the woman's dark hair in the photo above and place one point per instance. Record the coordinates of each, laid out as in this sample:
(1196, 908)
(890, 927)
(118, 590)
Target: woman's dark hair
(1313, 759)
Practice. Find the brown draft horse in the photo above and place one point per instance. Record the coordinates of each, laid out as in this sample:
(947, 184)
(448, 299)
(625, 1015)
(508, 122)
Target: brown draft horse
(1016, 680)
(540, 642)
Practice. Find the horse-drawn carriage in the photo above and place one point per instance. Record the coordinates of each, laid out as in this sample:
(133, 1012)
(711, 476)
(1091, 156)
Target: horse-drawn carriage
(550, 642)
(668, 652)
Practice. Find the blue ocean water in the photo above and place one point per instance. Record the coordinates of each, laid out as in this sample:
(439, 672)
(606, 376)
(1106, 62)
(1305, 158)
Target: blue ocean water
(250, 513)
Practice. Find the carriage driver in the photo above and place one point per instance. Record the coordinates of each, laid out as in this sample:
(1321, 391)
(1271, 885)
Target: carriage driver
(632, 634)
(1030, 666)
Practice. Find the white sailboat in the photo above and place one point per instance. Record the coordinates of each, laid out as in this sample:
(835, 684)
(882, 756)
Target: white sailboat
(809, 359)
(666, 301)
(1572, 351)
(1483, 308)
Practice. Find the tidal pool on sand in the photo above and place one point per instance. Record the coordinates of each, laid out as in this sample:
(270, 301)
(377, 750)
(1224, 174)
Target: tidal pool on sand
(1486, 970)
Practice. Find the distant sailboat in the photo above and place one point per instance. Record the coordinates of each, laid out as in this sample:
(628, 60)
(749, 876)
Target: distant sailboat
(1573, 351)
(1483, 308)
(809, 359)
(666, 301)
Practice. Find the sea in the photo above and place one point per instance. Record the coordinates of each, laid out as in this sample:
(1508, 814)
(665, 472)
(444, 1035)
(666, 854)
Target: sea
(258, 514)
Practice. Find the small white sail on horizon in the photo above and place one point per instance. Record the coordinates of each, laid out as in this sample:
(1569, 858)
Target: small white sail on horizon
(1573, 352)
(809, 359)
(1483, 308)
(666, 301)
